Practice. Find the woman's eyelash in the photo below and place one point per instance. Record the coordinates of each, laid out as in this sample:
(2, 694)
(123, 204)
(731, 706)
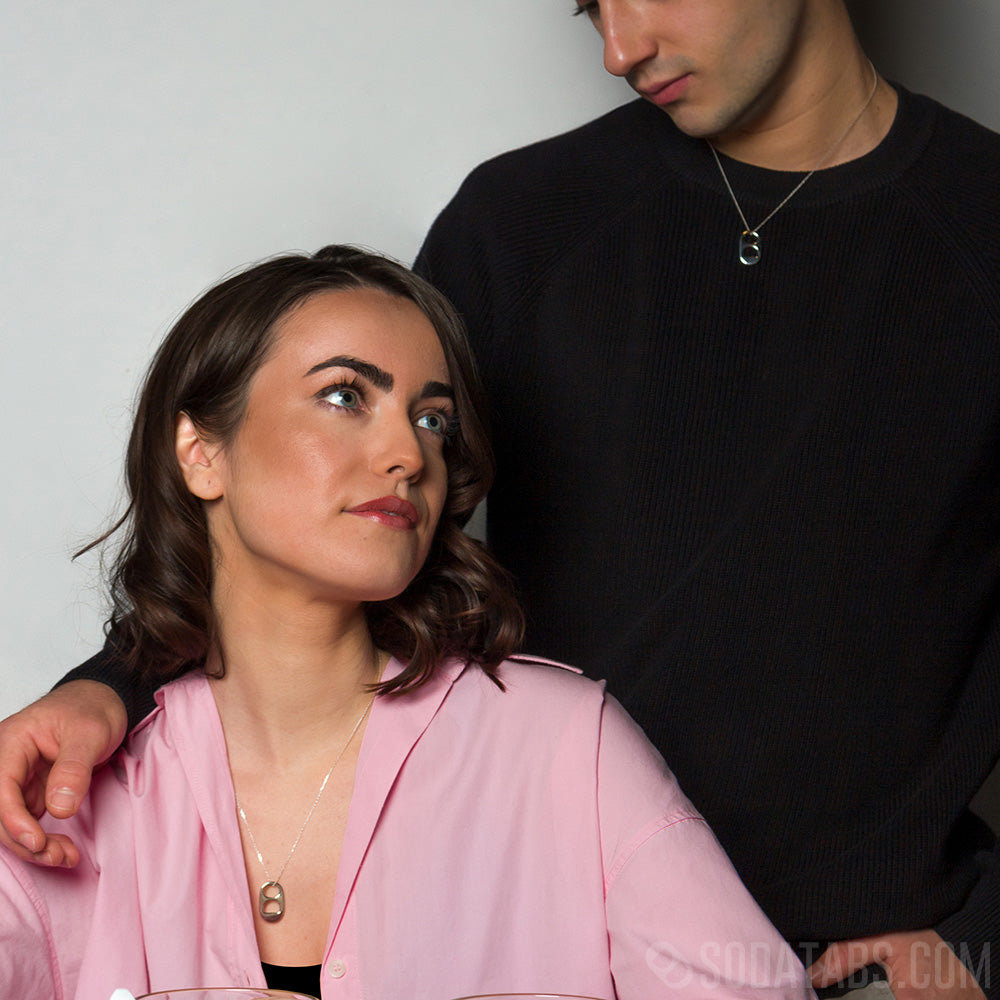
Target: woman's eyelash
(351, 385)
(451, 426)
(585, 8)
(357, 387)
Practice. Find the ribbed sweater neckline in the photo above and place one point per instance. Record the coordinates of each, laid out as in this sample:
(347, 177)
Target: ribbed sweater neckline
(692, 159)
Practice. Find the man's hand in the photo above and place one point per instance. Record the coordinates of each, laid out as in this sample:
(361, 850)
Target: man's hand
(47, 754)
(919, 966)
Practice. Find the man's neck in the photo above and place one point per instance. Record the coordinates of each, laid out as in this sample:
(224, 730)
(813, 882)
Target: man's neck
(827, 106)
(827, 134)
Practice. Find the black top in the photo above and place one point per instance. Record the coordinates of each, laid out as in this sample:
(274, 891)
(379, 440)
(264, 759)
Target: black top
(293, 978)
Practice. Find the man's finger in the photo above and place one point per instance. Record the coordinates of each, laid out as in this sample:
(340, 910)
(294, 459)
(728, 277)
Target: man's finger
(919, 965)
(22, 772)
(59, 852)
(842, 959)
(86, 739)
(84, 747)
(21, 833)
(19, 829)
(76, 726)
(69, 779)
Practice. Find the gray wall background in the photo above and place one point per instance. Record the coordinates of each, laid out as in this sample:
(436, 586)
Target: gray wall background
(147, 149)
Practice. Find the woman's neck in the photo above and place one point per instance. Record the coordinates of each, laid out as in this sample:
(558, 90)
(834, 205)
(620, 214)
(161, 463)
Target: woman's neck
(290, 686)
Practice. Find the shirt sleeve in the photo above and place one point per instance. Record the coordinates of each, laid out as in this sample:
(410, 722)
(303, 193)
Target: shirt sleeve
(680, 921)
(28, 965)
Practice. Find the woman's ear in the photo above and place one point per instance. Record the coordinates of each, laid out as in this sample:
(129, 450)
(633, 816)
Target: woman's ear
(198, 460)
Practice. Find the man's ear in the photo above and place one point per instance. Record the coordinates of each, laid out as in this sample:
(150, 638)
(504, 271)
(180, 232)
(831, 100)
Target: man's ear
(198, 460)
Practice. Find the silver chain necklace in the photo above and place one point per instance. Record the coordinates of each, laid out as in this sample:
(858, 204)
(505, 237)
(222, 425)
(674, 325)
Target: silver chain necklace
(271, 898)
(750, 238)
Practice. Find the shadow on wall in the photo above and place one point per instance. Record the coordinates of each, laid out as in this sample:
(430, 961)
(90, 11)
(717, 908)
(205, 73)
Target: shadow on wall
(946, 50)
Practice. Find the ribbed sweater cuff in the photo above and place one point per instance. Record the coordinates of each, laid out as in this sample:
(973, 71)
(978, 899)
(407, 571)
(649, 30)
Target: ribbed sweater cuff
(107, 668)
(973, 933)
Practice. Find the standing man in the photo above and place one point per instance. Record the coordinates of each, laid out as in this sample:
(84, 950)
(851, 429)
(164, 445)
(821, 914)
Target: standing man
(742, 337)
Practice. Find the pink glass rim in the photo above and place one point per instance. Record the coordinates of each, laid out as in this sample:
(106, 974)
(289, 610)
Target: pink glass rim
(236, 992)
(530, 996)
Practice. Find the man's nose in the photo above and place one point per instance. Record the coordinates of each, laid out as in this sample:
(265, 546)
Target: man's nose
(627, 40)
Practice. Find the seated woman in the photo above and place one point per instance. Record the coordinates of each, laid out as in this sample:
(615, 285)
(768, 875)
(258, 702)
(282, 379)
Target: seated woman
(349, 785)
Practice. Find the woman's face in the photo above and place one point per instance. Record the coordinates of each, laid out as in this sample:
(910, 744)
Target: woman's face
(334, 483)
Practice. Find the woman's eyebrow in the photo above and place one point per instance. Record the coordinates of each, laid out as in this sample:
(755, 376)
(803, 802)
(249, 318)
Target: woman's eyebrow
(378, 377)
(438, 389)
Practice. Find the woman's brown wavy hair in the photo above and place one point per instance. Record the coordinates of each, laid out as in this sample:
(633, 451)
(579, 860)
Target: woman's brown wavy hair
(461, 602)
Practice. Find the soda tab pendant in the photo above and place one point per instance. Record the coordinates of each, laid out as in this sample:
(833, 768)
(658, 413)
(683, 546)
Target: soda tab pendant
(749, 247)
(271, 901)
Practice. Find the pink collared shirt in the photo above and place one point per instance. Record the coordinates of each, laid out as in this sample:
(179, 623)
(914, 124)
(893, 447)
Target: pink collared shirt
(522, 841)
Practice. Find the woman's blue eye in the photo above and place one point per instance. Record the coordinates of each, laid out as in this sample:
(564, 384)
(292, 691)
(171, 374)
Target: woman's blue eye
(437, 423)
(344, 397)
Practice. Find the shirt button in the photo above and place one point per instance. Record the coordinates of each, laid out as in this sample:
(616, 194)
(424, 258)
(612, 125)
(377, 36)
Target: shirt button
(337, 969)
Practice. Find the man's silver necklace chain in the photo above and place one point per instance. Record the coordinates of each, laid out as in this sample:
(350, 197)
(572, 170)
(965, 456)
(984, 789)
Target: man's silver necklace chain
(749, 248)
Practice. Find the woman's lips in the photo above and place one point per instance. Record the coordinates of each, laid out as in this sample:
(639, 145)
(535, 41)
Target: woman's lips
(389, 511)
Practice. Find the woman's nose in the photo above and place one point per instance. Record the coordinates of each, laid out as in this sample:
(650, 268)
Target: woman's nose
(398, 452)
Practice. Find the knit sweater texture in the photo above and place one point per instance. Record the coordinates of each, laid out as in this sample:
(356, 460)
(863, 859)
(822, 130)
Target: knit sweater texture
(764, 502)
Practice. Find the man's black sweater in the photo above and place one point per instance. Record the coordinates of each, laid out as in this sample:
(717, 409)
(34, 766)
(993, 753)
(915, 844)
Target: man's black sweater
(764, 502)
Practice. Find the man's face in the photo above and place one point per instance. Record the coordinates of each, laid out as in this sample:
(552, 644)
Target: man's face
(714, 66)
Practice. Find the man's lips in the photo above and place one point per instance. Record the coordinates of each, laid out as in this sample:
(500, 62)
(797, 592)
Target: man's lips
(666, 92)
(390, 511)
